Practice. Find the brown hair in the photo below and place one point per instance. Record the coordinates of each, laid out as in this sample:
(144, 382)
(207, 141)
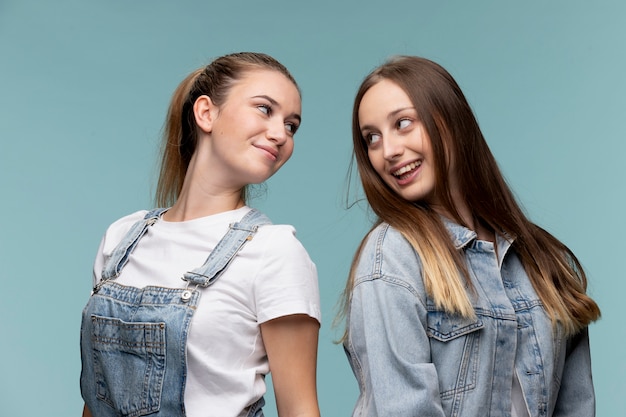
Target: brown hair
(555, 272)
(180, 135)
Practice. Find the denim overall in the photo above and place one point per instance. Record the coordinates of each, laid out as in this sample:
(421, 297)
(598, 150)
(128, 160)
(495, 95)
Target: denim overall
(133, 340)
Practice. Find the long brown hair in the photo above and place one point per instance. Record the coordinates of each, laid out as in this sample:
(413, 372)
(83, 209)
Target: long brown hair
(180, 130)
(554, 271)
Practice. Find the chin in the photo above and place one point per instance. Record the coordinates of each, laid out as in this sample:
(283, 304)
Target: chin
(259, 178)
(414, 196)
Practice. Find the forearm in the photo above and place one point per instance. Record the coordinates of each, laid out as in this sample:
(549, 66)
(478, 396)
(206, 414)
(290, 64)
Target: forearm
(291, 345)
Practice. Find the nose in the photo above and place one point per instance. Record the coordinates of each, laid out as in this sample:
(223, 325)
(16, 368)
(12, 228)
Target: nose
(276, 131)
(392, 147)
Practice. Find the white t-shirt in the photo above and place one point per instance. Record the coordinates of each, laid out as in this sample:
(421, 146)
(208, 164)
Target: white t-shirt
(271, 277)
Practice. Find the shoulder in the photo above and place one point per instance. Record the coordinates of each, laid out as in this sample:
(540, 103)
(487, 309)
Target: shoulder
(123, 224)
(285, 277)
(385, 236)
(388, 256)
(129, 219)
(280, 241)
(278, 233)
(113, 235)
(116, 231)
(282, 235)
(388, 270)
(388, 263)
(279, 257)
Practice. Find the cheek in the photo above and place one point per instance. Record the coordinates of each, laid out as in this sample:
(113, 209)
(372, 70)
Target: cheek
(377, 162)
(288, 149)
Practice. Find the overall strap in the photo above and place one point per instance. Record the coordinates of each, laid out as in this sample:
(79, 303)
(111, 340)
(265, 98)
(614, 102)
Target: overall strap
(238, 234)
(122, 251)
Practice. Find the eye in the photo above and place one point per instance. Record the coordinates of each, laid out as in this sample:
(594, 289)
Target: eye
(291, 127)
(265, 108)
(403, 123)
(371, 138)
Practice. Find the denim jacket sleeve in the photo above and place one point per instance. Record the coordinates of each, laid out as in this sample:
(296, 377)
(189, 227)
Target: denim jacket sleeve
(387, 344)
(576, 396)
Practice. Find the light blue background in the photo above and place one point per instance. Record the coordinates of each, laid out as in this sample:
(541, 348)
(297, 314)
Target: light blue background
(84, 87)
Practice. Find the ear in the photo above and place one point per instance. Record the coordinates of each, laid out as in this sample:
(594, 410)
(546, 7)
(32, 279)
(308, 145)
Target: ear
(205, 113)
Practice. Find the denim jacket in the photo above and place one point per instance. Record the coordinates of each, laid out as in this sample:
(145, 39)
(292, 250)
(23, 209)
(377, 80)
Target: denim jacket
(411, 359)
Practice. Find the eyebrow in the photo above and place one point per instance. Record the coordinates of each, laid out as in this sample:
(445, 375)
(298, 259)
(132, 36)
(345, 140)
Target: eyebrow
(276, 104)
(390, 116)
(395, 112)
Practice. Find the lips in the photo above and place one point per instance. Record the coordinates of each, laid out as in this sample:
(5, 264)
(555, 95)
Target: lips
(271, 152)
(406, 170)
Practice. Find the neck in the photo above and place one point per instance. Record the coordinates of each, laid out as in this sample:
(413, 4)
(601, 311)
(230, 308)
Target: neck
(189, 208)
(201, 196)
(483, 232)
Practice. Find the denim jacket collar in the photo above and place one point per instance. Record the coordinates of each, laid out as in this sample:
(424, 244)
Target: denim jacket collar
(462, 237)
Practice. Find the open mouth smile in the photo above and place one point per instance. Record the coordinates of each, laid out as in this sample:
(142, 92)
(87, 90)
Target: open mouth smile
(406, 171)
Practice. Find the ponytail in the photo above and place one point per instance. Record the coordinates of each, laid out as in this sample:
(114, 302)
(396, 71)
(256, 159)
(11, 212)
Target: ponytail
(179, 142)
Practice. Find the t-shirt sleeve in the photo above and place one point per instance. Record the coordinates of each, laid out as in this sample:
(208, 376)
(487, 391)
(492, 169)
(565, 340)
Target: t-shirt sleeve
(286, 283)
(111, 238)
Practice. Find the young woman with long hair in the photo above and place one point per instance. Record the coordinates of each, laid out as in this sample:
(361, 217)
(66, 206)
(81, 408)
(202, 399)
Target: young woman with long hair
(248, 301)
(456, 304)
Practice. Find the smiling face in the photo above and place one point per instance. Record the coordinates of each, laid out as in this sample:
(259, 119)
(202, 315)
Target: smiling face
(398, 146)
(250, 136)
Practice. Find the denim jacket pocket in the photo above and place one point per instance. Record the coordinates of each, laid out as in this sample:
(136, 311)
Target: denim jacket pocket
(454, 343)
(129, 364)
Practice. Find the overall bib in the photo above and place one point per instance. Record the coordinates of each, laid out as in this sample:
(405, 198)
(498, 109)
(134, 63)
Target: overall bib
(133, 340)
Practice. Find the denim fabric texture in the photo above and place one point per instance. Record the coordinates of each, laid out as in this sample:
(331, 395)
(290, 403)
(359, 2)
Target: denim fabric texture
(133, 339)
(411, 359)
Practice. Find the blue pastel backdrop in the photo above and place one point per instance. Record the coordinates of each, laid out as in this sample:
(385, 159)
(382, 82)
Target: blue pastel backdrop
(84, 87)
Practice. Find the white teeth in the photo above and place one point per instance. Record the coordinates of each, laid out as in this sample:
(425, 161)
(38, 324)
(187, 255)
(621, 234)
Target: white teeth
(406, 168)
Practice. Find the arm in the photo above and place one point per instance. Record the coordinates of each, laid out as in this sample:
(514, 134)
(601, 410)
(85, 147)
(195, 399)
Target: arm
(86, 412)
(291, 345)
(576, 396)
(389, 345)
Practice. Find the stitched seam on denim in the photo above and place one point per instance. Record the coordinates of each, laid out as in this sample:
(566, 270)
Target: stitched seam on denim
(378, 260)
(357, 363)
(463, 331)
(524, 305)
(495, 314)
(392, 280)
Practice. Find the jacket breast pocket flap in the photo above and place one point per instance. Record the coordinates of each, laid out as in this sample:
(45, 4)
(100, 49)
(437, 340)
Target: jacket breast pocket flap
(445, 326)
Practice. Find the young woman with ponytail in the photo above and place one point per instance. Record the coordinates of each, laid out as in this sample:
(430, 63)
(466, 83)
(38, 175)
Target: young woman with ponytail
(248, 301)
(456, 304)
